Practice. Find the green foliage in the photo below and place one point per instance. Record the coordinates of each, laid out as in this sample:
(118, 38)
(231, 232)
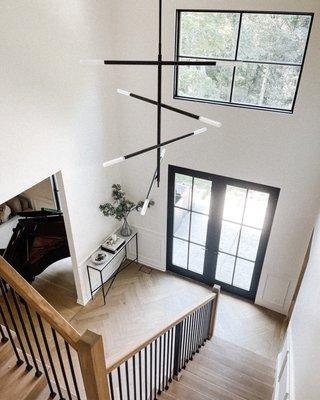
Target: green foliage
(264, 37)
(121, 207)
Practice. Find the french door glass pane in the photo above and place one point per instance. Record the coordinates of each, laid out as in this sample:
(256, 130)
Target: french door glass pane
(225, 268)
(240, 238)
(229, 237)
(183, 189)
(273, 37)
(256, 207)
(199, 225)
(196, 258)
(249, 243)
(180, 253)
(191, 216)
(209, 34)
(181, 223)
(201, 196)
(243, 274)
(234, 204)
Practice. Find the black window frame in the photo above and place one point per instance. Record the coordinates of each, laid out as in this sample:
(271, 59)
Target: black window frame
(176, 96)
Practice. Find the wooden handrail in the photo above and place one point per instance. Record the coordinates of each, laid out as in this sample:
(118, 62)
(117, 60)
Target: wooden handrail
(146, 343)
(38, 303)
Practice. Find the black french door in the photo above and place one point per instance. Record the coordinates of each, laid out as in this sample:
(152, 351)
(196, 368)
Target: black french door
(218, 229)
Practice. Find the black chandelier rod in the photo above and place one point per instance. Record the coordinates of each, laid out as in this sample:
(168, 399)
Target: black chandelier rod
(171, 108)
(154, 63)
(154, 147)
(159, 109)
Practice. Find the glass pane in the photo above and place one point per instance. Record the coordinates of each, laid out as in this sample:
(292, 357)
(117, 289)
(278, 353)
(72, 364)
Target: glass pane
(196, 258)
(180, 253)
(234, 203)
(229, 237)
(255, 213)
(183, 189)
(225, 266)
(249, 243)
(199, 224)
(273, 37)
(181, 223)
(208, 83)
(266, 85)
(201, 195)
(208, 34)
(243, 274)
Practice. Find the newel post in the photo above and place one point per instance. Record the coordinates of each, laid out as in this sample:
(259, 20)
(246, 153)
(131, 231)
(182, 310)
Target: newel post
(216, 289)
(93, 366)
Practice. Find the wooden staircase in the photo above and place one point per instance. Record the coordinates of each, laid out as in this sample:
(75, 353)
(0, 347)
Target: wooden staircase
(224, 371)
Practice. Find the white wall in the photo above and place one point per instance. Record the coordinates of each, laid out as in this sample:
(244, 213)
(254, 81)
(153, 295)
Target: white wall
(269, 148)
(305, 329)
(56, 114)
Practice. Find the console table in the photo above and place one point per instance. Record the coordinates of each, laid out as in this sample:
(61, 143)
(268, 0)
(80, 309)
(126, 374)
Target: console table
(125, 262)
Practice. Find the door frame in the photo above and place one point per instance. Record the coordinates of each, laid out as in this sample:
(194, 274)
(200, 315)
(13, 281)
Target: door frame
(214, 227)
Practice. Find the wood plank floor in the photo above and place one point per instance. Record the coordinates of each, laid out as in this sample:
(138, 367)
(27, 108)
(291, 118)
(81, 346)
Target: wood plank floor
(140, 303)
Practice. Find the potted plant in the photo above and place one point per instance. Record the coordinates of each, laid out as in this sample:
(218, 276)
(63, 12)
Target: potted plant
(121, 207)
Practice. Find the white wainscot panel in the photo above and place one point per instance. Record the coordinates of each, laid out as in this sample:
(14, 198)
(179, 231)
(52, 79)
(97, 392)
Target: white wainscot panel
(275, 291)
(151, 248)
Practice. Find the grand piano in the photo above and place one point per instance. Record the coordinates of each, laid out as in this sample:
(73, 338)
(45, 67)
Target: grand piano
(38, 240)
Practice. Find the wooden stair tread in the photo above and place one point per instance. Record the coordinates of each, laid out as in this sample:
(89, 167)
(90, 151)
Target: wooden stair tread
(16, 382)
(222, 380)
(238, 363)
(182, 392)
(231, 348)
(207, 388)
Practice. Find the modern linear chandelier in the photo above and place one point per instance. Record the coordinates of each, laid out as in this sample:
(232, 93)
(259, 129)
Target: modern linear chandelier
(160, 63)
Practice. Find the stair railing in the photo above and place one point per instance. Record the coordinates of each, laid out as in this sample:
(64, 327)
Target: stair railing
(146, 371)
(43, 341)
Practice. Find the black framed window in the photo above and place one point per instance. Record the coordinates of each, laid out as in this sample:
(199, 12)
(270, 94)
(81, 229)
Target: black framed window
(267, 49)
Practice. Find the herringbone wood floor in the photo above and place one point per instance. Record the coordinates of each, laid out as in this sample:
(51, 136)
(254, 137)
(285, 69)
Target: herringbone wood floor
(139, 304)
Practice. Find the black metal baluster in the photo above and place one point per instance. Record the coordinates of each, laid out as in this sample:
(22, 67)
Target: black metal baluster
(183, 363)
(140, 377)
(155, 368)
(185, 353)
(203, 326)
(188, 339)
(127, 381)
(4, 319)
(4, 338)
(119, 382)
(28, 365)
(23, 325)
(171, 355)
(145, 374)
(177, 350)
(200, 328)
(192, 336)
(164, 361)
(198, 331)
(151, 371)
(160, 353)
(74, 378)
(36, 339)
(167, 369)
(111, 386)
(134, 377)
(210, 305)
(55, 338)
(45, 341)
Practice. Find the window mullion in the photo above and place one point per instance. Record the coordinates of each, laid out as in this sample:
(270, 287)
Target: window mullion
(236, 58)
